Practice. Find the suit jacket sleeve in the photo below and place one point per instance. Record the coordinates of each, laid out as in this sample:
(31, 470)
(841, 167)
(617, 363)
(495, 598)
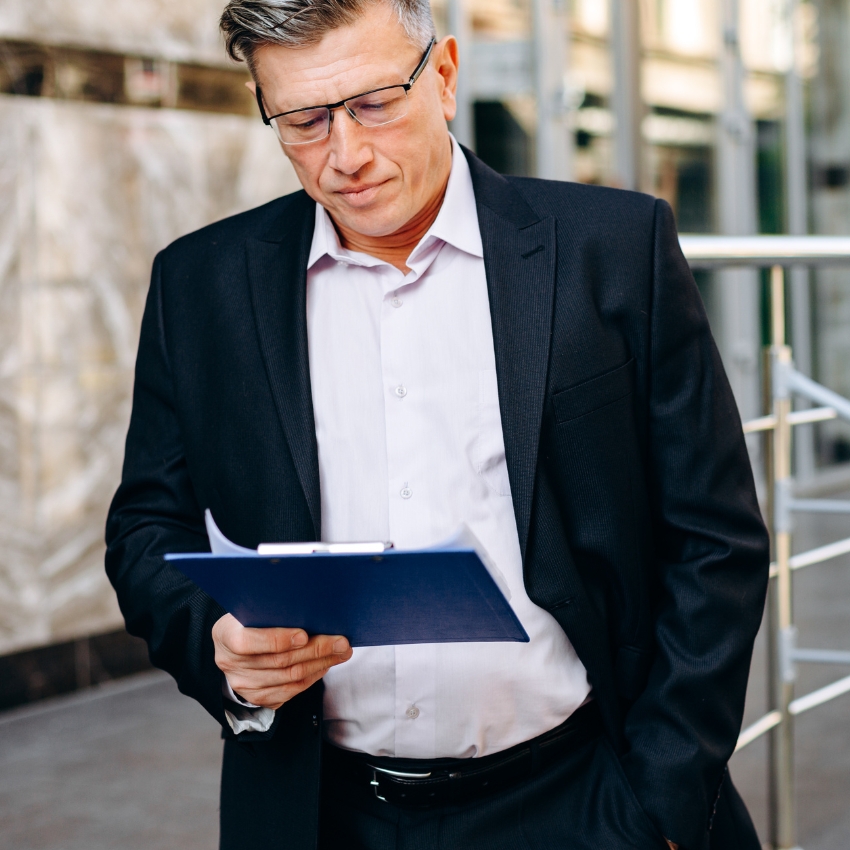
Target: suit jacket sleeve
(156, 511)
(711, 568)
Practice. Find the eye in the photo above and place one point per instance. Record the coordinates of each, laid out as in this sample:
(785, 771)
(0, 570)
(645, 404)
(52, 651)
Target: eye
(300, 121)
(306, 125)
(378, 102)
(376, 105)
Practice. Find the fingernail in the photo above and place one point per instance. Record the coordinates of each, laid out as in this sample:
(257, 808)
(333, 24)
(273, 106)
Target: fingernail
(341, 646)
(299, 639)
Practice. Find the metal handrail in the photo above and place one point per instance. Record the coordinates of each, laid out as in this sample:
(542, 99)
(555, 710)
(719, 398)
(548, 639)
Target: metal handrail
(712, 252)
(778, 253)
(798, 417)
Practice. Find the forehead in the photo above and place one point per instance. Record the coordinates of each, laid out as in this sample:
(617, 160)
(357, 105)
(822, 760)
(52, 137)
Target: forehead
(373, 51)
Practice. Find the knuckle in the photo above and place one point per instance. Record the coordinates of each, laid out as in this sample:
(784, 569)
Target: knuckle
(224, 664)
(326, 647)
(240, 685)
(236, 644)
(286, 636)
(224, 660)
(308, 683)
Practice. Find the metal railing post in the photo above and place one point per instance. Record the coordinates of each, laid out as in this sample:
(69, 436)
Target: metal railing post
(772, 629)
(782, 750)
(782, 383)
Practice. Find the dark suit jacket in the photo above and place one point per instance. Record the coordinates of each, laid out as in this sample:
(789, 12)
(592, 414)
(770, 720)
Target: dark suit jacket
(634, 500)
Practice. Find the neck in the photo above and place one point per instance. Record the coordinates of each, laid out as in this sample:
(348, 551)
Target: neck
(397, 247)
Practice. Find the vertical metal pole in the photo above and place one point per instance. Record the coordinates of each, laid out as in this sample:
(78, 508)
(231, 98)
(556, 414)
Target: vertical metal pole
(797, 222)
(627, 99)
(772, 629)
(739, 326)
(463, 126)
(554, 137)
(782, 768)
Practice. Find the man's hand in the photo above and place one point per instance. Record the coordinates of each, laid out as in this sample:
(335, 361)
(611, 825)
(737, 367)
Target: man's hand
(269, 667)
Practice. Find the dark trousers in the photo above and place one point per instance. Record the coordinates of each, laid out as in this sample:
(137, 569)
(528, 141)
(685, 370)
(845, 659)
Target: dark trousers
(581, 803)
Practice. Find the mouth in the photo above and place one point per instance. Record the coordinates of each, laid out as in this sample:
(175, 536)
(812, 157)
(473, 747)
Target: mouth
(360, 195)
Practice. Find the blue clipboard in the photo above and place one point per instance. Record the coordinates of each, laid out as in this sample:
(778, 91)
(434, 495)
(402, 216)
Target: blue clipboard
(439, 595)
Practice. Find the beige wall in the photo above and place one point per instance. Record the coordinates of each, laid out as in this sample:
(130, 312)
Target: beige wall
(180, 30)
(88, 194)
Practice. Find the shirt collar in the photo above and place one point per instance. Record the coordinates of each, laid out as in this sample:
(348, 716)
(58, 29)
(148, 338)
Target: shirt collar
(456, 223)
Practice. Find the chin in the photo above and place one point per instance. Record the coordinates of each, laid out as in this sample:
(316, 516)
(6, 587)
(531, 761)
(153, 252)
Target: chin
(375, 223)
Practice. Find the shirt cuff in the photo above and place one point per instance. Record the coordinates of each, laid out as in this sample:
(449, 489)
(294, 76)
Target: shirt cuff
(244, 716)
(230, 694)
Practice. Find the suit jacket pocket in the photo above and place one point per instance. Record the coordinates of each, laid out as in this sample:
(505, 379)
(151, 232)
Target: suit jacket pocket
(598, 392)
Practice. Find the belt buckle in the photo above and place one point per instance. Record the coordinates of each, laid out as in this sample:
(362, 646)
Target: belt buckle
(394, 773)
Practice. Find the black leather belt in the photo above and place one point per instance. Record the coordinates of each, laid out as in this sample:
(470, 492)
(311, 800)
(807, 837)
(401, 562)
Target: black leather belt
(415, 783)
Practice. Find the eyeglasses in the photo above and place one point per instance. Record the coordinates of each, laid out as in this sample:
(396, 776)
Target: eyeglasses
(370, 109)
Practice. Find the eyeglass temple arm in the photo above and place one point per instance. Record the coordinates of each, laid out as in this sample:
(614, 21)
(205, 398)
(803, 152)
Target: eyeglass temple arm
(259, 95)
(423, 63)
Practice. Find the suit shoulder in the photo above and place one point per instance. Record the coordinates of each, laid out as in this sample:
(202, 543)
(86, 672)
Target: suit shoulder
(228, 233)
(596, 205)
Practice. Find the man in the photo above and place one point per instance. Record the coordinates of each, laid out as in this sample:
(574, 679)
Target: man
(411, 343)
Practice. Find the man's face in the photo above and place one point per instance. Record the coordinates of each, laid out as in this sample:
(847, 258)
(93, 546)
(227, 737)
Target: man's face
(372, 180)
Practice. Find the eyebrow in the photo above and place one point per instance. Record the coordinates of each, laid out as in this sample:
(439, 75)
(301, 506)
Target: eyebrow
(417, 72)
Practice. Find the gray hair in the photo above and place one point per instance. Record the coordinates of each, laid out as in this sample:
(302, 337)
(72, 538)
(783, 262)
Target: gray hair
(249, 24)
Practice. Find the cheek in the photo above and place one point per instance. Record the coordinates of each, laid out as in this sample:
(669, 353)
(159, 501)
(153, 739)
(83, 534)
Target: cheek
(308, 168)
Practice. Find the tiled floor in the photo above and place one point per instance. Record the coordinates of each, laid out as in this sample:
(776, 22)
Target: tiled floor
(131, 766)
(134, 765)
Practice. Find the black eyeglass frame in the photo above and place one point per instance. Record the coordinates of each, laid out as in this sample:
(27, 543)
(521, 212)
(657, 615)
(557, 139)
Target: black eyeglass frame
(267, 120)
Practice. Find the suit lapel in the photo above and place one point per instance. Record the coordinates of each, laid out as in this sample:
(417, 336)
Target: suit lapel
(277, 271)
(519, 259)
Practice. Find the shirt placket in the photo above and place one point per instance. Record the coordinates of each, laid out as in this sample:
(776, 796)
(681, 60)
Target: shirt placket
(415, 666)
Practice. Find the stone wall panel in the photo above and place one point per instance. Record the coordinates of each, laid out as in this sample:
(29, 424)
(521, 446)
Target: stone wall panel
(185, 31)
(88, 194)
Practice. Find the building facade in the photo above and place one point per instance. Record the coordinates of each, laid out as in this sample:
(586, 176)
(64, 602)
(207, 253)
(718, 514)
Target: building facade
(123, 125)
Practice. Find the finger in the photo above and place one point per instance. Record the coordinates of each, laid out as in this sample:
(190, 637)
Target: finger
(276, 696)
(241, 641)
(319, 646)
(243, 678)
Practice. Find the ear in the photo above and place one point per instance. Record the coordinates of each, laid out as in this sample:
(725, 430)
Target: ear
(445, 63)
(252, 87)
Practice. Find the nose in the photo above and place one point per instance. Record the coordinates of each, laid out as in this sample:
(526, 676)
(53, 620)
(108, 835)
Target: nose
(349, 147)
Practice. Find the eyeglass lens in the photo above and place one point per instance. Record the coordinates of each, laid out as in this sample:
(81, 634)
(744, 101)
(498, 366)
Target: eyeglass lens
(371, 110)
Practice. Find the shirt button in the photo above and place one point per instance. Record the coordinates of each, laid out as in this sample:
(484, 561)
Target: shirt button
(406, 493)
(412, 712)
(396, 302)
(401, 391)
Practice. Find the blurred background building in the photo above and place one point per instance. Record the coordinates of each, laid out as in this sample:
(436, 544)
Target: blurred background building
(123, 125)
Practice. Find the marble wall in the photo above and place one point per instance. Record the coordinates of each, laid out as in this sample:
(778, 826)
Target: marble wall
(184, 31)
(88, 194)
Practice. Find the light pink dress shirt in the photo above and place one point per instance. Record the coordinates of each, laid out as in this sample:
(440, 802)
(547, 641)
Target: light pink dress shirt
(410, 445)
(410, 442)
